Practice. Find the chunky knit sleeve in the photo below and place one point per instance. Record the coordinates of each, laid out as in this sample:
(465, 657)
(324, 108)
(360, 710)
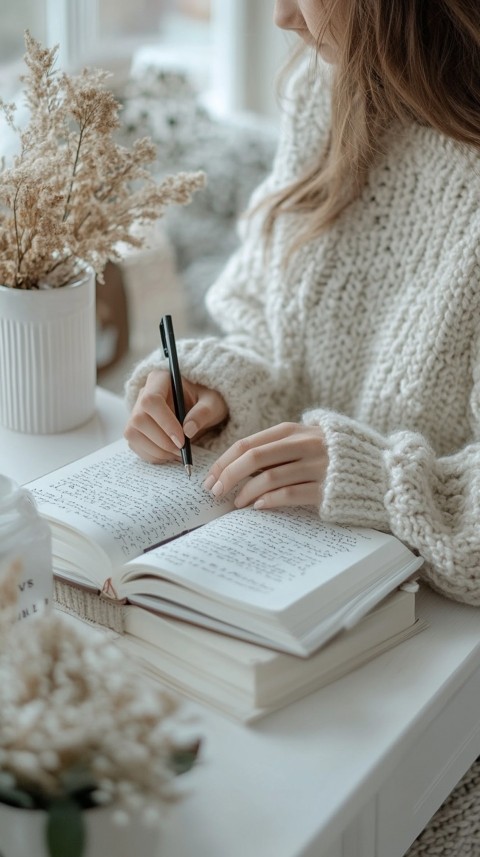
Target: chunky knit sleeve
(241, 363)
(238, 363)
(397, 483)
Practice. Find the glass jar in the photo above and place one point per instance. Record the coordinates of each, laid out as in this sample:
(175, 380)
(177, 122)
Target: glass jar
(25, 538)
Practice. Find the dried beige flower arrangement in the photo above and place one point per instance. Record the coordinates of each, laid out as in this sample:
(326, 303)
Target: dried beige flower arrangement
(79, 725)
(72, 193)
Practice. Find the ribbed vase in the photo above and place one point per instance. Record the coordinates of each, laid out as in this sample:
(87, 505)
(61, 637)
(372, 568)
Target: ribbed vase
(47, 356)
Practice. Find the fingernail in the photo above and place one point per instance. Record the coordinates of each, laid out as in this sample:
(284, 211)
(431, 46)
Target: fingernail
(176, 440)
(259, 504)
(190, 428)
(217, 489)
(209, 483)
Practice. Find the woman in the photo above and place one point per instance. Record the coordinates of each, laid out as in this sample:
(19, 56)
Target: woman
(348, 375)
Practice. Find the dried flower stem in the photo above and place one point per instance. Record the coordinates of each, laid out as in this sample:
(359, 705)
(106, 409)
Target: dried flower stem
(74, 172)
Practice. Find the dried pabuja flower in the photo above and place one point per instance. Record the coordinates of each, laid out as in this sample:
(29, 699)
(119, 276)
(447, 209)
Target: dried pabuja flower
(72, 195)
(78, 719)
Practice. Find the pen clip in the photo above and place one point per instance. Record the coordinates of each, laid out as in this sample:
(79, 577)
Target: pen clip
(164, 339)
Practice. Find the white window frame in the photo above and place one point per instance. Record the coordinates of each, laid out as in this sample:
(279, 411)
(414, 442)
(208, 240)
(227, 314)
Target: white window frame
(249, 52)
(73, 25)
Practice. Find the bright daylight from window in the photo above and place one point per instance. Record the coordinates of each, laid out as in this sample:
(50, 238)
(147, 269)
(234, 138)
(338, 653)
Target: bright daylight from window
(106, 32)
(228, 46)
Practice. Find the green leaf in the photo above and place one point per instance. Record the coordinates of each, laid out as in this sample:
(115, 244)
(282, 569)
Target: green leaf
(182, 759)
(65, 831)
(15, 797)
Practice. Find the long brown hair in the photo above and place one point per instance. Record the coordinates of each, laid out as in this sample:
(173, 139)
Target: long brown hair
(398, 59)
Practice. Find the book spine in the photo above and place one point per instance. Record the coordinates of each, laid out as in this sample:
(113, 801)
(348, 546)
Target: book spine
(89, 605)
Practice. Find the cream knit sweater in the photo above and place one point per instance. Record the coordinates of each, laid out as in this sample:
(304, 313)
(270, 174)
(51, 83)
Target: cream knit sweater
(373, 334)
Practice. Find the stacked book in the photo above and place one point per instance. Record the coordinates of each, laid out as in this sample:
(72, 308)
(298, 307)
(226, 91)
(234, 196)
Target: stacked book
(245, 610)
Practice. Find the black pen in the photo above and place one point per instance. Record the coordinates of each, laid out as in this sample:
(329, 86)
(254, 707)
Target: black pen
(170, 351)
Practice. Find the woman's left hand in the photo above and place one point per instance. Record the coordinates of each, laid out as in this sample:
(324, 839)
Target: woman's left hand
(284, 466)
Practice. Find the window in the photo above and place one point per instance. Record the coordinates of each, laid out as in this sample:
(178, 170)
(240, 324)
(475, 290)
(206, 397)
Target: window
(83, 27)
(169, 20)
(158, 32)
(230, 44)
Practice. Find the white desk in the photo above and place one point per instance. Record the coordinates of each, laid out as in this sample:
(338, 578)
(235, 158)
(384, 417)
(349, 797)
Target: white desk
(354, 770)
(24, 457)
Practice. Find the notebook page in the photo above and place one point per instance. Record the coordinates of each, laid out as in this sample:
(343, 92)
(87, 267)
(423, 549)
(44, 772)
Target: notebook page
(270, 559)
(126, 505)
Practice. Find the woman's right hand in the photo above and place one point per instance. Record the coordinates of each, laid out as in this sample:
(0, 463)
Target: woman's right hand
(154, 432)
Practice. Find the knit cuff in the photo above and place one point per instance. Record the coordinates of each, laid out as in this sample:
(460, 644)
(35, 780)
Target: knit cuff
(202, 361)
(356, 482)
(242, 378)
(138, 378)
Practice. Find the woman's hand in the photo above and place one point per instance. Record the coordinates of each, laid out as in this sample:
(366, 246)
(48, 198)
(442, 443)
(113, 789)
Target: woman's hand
(285, 466)
(154, 432)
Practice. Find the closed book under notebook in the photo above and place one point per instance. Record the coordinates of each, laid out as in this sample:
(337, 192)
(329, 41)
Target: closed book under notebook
(125, 532)
(247, 681)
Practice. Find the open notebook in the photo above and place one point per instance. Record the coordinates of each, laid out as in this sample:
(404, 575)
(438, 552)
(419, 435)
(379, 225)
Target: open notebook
(126, 533)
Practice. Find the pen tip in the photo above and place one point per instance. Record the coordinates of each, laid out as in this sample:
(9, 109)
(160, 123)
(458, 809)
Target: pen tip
(188, 468)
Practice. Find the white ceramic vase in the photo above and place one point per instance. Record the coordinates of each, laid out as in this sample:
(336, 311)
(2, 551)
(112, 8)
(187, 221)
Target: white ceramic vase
(22, 834)
(47, 356)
